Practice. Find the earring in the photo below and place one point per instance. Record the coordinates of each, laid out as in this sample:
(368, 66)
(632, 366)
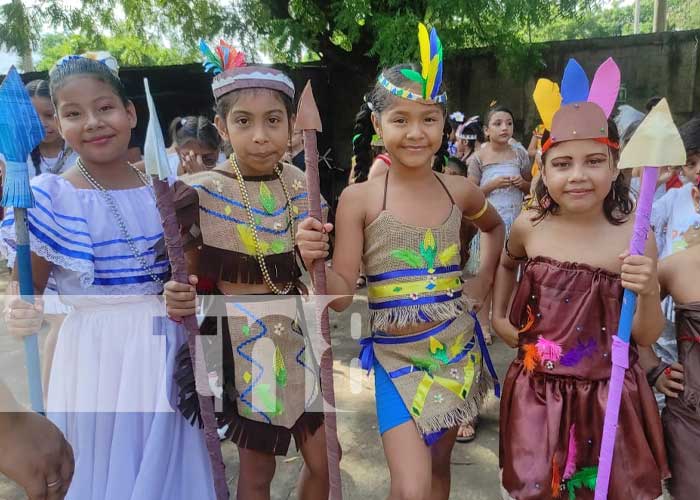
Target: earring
(545, 201)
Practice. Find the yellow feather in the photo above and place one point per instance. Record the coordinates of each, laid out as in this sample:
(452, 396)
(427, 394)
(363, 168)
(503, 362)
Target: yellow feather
(547, 99)
(246, 236)
(424, 43)
(448, 254)
(432, 74)
(457, 346)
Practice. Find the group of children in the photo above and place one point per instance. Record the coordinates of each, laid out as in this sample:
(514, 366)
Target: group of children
(120, 366)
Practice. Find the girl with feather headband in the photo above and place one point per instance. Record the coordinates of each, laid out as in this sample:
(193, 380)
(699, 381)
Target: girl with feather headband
(404, 227)
(566, 309)
(241, 217)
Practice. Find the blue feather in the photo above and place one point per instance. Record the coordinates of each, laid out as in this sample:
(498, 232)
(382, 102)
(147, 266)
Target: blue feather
(434, 43)
(438, 77)
(574, 83)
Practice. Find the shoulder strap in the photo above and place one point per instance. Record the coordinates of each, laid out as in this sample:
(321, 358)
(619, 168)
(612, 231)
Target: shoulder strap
(445, 188)
(386, 185)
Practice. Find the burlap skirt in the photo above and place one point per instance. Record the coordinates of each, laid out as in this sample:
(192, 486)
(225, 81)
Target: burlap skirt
(438, 373)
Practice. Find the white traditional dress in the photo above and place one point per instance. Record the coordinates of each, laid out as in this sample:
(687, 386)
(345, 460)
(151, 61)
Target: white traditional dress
(111, 391)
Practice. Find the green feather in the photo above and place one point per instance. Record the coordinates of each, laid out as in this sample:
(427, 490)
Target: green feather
(585, 478)
(427, 364)
(210, 56)
(280, 369)
(413, 76)
(441, 355)
(267, 200)
(410, 257)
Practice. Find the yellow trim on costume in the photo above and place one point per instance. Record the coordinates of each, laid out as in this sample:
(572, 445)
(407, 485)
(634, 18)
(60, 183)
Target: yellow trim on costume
(469, 373)
(480, 212)
(417, 287)
(421, 395)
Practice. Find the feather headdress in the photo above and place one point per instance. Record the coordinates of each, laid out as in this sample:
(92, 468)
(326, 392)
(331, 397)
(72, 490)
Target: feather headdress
(430, 76)
(580, 110)
(231, 73)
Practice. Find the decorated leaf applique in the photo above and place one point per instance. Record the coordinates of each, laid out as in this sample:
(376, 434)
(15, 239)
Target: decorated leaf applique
(248, 240)
(457, 345)
(427, 363)
(428, 249)
(448, 254)
(267, 401)
(278, 246)
(267, 200)
(438, 350)
(409, 257)
(280, 369)
(585, 478)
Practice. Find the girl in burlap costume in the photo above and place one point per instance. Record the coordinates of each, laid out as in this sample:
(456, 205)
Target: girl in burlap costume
(241, 217)
(563, 316)
(404, 227)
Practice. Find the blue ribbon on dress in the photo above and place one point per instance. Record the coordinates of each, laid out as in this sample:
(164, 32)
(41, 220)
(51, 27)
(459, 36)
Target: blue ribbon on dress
(485, 353)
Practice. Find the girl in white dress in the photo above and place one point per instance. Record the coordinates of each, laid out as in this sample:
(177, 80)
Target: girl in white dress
(97, 231)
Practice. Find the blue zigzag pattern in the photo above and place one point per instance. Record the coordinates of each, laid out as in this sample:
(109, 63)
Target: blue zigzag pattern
(239, 350)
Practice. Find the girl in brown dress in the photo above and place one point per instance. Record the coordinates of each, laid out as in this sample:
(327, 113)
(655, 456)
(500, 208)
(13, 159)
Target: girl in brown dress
(562, 319)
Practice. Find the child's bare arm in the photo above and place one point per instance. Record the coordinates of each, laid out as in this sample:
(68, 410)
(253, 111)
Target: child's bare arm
(639, 274)
(312, 240)
(506, 280)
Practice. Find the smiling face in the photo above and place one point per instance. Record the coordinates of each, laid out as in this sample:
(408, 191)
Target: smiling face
(93, 119)
(412, 132)
(258, 127)
(579, 175)
(44, 109)
(500, 127)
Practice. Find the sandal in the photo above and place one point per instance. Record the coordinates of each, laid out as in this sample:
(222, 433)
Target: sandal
(361, 282)
(467, 431)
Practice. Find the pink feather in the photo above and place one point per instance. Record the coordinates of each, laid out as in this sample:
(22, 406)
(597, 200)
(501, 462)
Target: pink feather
(570, 468)
(605, 86)
(548, 349)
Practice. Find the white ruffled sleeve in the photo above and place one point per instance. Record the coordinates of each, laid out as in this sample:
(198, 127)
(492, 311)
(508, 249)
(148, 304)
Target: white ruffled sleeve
(58, 228)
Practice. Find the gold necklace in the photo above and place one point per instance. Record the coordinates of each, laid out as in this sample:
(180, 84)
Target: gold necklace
(251, 222)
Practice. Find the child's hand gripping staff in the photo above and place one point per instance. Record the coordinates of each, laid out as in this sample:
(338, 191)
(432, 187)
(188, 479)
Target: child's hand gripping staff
(156, 162)
(20, 132)
(655, 144)
(309, 122)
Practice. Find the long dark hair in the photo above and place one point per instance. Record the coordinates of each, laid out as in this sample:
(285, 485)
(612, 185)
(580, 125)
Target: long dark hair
(618, 204)
(376, 101)
(38, 88)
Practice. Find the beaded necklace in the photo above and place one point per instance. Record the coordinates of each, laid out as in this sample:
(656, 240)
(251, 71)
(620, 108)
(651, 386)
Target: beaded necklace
(251, 223)
(114, 208)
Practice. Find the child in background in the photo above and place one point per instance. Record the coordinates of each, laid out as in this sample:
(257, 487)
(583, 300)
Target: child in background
(502, 171)
(195, 145)
(563, 316)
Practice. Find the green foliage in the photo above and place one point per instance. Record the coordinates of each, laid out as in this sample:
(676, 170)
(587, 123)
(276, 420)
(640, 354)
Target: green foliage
(129, 50)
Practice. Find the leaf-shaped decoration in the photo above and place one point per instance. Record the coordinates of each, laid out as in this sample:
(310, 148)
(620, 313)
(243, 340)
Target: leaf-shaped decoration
(441, 355)
(410, 257)
(267, 200)
(280, 369)
(448, 254)
(278, 246)
(248, 240)
(435, 345)
(414, 76)
(265, 398)
(427, 364)
(428, 249)
(457, 345)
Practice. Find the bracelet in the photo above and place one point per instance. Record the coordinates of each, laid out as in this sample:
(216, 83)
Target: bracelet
(654, 374)
(480, 212)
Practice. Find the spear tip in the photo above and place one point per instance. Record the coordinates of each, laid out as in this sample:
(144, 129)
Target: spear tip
(308, 117)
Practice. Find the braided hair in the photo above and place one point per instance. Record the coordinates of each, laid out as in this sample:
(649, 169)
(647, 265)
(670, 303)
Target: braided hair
(362, 143)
